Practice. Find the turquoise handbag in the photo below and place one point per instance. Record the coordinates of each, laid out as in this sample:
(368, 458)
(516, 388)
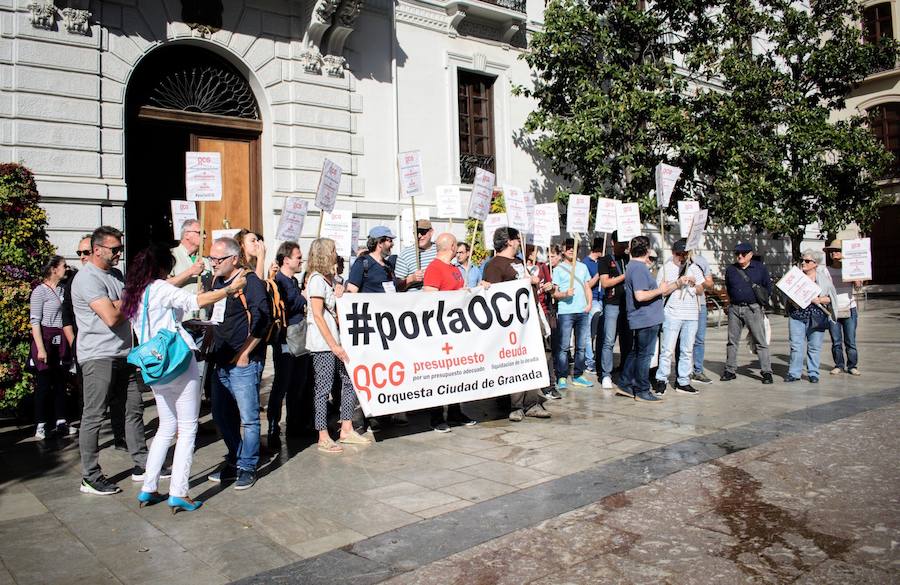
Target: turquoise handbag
(163, 357)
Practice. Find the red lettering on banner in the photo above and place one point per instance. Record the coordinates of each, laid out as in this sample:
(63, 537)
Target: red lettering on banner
(447, 347)
(379, 375)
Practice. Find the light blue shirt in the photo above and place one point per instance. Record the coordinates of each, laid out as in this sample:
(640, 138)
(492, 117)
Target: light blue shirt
(562, 278)
(472, 276)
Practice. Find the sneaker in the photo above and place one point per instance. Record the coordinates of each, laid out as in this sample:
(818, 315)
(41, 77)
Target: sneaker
(855, 372)
(813, 380)
(836, 371)
(647, 396)
(245, 479)
(686, 389)
(227, 473)
(624, 392)
(789, 378)
(463, 421)
(728, 376)
(538, 411)
(400, 419)
(64, 430)
(138, 473)
(701, 378)
(607, 383)
(767, 378)
(441, 427)
(561, 384)
(590, 369)
(552, 394)
(582, 381)
(40, 433)
(517, 415)
(99, 487)
(659, 387)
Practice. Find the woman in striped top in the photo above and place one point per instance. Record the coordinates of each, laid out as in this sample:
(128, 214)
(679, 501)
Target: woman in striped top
(50, 352)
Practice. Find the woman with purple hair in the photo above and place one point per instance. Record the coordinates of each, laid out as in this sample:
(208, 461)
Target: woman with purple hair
(177, 401)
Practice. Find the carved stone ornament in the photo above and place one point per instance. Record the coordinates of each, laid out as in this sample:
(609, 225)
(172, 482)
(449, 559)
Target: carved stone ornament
(311, 60)
(348, 12)
(204, 30)
(77, 21)
(334, 65)
(42, 15)
(325, 9)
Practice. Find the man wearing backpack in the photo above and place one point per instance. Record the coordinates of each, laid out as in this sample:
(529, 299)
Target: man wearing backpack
(372, 272)
(749, 288)
(243, 322)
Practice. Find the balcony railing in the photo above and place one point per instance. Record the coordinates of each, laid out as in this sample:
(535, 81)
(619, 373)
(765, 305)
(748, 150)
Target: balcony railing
(469, 162)
(517, 5)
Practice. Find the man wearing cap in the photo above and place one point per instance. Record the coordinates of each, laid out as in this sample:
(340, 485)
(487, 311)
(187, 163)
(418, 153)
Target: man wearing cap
(372, 272)
(406, 261)
(843, 329)
(749, 286)
(592, 262)
(680, 318)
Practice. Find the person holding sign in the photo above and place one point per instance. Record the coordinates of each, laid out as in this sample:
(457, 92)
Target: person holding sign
(573, 293)
(407, 267)
(188, 263)
(843, 330)
(806, 326)
(324, 342)
(749, 288)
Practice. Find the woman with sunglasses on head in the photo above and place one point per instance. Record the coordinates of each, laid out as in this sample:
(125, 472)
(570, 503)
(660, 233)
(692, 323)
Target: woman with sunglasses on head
(807, 326)
(152, 304)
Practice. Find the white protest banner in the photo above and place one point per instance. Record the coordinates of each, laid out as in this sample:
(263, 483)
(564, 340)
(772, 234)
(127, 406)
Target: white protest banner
(337, 224)
(482, 193)
(410, 352)
(606, 221)
(686, 212)
(182, 211)
(203, 176)
(407, 229)
(529, 205)
(577, 212)
(628, 221)
(329, 183)
(516, 207)
(491, 223)
(698, 227)
(293, 215)
(857, 262)
(354, 236)
(546, 223)
(666, 177)
(798, 287)
(216, 234)
(449, 201)
(411, 173)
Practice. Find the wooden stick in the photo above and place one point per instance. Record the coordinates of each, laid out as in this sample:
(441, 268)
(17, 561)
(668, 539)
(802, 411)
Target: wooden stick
(474, 232)
(605, 235)
(662, 235)
(416, 234)
(321, 221)
(202, 240)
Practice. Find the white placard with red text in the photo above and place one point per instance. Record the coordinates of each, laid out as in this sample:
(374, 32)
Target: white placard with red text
(203, 176)
(516, 207)
(491, 223)
(448, 200)
(293, 215)
(857, 260)
(628, 221)
(546, 223)
(482, 193)
(410, 352)
(606, 221)
(329, 183)
(686, 212)
(410, 164)
(666, 177)
(338, 225)
(577, 212)
(698, 228)
(182, 211)
(800, 288)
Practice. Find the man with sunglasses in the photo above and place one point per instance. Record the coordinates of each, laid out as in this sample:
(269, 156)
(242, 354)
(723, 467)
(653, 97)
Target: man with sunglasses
(749, 287)
(406, 261)
(104, 340)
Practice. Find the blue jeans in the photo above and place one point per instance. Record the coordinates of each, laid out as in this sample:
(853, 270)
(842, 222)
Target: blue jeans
(594, 322)
(672, 329)
(813, 340)
(700, 339)
(614, 321)
(235, 410)
(581, 323)
(636, 367)
(843, 335)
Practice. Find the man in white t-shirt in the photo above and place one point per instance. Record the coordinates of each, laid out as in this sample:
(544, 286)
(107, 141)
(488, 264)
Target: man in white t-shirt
(843, 329)
(682, 309)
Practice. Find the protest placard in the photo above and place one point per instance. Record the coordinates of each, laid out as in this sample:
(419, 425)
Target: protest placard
(666, 177)
(449, 201)
(516, 208)
(530, 202)
(410, 352)
(338, 225)
(203, 176)
(857, 260)
(410, 164)
(698, 228)
(182, 211)
(482, 193)
(546, 223)
(577, 212)
(686, 212)
(293, 215)
(329, 183)
(491, 223)
(628, 221)
(354, 236)
(798, 287)
(407, 229)
(605, 221)
(230, 233)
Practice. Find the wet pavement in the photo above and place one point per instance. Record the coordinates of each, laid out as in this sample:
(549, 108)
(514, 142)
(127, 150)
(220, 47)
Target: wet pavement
(744, 483)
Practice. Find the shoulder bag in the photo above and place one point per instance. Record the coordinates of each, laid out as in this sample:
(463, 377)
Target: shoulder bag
(761, 294)
(163, 357)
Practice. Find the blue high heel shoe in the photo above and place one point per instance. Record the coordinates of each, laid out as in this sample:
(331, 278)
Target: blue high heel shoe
(177, 504)
(149, 498)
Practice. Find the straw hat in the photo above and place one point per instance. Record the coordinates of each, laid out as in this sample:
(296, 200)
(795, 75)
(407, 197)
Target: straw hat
(834, 245)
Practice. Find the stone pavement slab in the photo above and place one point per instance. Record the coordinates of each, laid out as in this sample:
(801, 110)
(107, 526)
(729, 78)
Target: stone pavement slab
(415, 496)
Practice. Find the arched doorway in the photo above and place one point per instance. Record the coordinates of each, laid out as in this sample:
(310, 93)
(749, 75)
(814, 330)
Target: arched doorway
(185, 98)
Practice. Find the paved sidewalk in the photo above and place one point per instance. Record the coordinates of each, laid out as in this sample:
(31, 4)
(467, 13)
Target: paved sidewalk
(306, 503)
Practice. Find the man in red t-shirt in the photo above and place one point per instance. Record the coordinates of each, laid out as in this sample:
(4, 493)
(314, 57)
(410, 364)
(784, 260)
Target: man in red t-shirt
(442, 276)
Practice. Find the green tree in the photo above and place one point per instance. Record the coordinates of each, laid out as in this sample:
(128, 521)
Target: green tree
(769, 152)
